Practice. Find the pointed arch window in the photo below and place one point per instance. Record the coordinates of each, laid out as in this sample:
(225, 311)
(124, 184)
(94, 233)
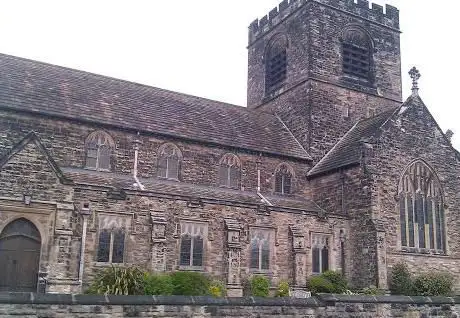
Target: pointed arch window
(283, 179)
(99, 149)
(357, 53)
(229, 171)
(421, 210)
(169, 159)
(275, 64)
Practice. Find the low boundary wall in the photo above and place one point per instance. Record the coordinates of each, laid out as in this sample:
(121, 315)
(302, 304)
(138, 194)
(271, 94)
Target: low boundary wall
(95, 306)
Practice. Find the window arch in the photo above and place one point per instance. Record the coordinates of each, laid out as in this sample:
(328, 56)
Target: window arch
(421, 209)
(169, 158)
(284, 176)
(229, 171)
(99, 149)
(357, 53)
(275, 63)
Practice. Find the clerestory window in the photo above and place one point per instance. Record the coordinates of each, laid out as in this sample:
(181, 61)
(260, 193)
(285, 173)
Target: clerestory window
(169, 158)
(283, 179)
(99, 148)
(421, 209)
(229, 171)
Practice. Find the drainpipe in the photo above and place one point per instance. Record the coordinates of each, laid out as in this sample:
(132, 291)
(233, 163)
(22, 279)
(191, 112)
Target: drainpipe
(264, 199)
(85, 213)
(137, 142)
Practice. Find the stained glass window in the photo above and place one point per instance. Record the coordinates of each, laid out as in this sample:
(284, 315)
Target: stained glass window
(260, 249)
(111, 246)
(192, 244)
(421, 209)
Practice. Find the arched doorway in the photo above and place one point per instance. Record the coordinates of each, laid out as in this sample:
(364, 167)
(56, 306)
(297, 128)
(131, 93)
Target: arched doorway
(20, 243)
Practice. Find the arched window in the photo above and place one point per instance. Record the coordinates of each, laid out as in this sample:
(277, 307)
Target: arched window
(421, 209)
(229, 171)
(169, 158)
(275, 63)
(357, 53)
(99, 148)
(283, 179)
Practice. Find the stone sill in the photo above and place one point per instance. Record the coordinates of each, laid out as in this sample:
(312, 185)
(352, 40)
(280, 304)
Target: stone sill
(419, 254)
(316, 301)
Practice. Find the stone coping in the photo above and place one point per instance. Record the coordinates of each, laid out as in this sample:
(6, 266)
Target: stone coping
(317, 301)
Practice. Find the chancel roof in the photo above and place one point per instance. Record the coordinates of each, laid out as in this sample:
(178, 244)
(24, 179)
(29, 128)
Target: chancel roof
(41, 88)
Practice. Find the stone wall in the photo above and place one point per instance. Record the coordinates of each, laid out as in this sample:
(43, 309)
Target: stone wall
(82, 306)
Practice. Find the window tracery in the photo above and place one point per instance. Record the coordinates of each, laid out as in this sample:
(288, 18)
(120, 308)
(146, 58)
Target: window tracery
(192, 244)
(169, 158)
(229, 171)
(260, 249)
(99, 148)
(421, 209)
(283, 179)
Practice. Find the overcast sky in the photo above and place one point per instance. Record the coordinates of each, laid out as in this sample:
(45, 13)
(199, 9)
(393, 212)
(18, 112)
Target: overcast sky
(199, 47)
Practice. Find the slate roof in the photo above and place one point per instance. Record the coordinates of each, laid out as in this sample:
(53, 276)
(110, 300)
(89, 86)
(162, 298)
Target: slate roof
(37, 87)
(126, 182)
(347, 151)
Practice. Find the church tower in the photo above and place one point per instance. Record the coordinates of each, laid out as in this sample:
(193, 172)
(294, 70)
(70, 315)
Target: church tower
(321, 65)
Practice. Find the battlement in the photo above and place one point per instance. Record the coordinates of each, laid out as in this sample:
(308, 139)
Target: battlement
(362, 8)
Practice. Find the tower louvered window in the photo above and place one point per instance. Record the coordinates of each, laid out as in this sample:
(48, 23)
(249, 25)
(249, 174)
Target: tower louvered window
(421, 210)
(276, 64)
(357, 56)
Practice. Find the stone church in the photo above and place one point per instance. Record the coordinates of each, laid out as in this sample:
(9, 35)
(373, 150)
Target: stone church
(326, 168)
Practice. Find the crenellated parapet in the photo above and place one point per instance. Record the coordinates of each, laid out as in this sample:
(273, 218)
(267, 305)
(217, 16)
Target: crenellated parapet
(362, 8)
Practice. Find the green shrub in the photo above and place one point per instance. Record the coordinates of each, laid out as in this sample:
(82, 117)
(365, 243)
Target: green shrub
(319, 284)
(190, 284)
(401, 280)
(259, 286)
(338, 281)
(371, 290)
(118, 281)
(283, 289)
(217, 289)
(158, 284)
(433, 284)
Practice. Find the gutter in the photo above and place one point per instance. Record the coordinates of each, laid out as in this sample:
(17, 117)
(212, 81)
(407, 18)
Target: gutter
(137, 142)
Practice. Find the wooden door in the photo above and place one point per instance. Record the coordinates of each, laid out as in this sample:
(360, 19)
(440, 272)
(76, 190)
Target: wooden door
(20, 244)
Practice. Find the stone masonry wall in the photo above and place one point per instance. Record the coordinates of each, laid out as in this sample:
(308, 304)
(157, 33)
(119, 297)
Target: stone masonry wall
(414, 135)
(65, 141)
(332, 306)
(318, 103)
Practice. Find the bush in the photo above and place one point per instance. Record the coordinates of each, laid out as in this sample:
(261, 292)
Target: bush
(433, 284)
(118, 281)
(319, 284)
(338, 281)
(401, 280)
(158, 284)
(283, 289)
(371, 290)
(259, 286)
(190, 284)
(217, 289)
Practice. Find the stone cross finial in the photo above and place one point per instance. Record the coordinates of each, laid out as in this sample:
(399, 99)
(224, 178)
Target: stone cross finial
(415, 75)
